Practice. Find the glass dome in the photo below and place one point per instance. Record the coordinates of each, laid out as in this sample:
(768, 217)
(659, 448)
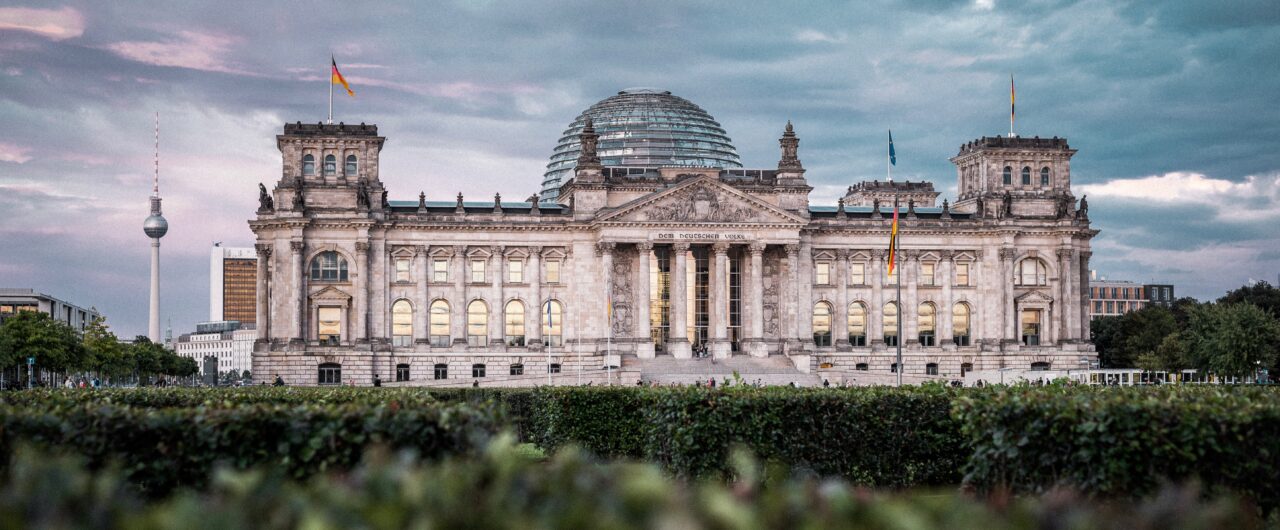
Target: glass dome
(643, 127)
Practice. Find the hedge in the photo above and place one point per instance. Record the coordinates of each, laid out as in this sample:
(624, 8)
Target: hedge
(1124, 442)
(162, 448)
(500, 489)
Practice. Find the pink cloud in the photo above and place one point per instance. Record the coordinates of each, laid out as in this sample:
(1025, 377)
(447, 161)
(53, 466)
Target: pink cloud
(14, 153)
(56, 24)
(186, 49)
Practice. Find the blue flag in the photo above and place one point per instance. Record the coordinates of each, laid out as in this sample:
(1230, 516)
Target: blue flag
(893, 158)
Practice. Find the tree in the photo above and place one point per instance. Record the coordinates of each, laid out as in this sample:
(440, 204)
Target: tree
(1144, 330)
(1104, 332)
(1261, 294)
(1170, 355)
(1232, 339)
(246, 376)
(55, 345)
(148, 357)
(105, 352)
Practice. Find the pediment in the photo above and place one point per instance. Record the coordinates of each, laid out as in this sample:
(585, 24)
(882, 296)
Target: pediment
(331, 294)
(1034, 297)
(701, 200)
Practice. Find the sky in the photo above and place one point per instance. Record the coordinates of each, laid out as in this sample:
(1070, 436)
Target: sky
(1174, 107)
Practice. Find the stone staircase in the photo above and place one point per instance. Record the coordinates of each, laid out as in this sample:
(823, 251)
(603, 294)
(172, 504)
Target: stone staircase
(665, 370)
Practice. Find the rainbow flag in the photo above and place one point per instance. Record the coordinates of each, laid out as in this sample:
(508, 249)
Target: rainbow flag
(893, 238)
(337, 79)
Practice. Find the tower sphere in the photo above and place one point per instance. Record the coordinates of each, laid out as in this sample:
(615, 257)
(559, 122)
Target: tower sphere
(155, 226)
(643, 127)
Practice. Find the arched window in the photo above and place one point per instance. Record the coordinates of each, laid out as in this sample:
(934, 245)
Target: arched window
(330, 165)
(552, 316)
(1008, 176)
(822, 324)
(308, 165)
(931, 369)
(441, 371)
(401, 323)
(328, 266)
(439, 324)
(857, 324)
(1044, 176)
(1031, 271)
(329, 374)
(350, 169)
(890, 324)
(477, 323)
(926, 320)
(960, 314)
(1026, 176)
(514, 323)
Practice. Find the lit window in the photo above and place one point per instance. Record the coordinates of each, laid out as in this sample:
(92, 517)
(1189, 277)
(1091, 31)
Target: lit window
(1008, 176)
(890, 321)
(1026, 176)
(822, 324)
(857, 324)
(329, 324)
(857, 274)
(551, 318)
(477, 271)
(329, 267)
(439, 323)
(477, 324)
(514, 323)
(1031, 327)
(330, 165)
(350, 169)
(515, 271)
(1044, 176)
(962, 274)
(329, 374)
(822, 274)
(926, 273)
(925, 320)
(553, 272)
(308, 165)
(960, 315)
(440, 270)
(401, 323)
(402, 269)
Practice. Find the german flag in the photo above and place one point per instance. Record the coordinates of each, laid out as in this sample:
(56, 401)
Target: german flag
(893, 238)
(337, 79)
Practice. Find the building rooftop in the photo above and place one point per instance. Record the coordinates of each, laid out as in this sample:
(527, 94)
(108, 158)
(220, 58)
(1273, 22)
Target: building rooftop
(329, 129)
(1016, 142)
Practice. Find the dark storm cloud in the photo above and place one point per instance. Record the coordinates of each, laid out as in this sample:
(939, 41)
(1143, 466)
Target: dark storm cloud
(473, 95)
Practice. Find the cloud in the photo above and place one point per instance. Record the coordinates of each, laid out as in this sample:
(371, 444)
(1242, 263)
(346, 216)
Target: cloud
(1256, 198)
(186, 49)
(14, 153)
(55, 24)
(810, 35)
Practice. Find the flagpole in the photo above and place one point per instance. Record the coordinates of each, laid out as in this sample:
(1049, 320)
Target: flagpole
(1011, 105)
(898, 301)
(330, 98)
(546, 339)
(608, 348)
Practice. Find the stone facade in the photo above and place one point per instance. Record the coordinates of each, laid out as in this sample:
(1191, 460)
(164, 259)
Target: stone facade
(633, 263)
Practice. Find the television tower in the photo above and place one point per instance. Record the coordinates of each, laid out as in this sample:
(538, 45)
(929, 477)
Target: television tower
(155, 227)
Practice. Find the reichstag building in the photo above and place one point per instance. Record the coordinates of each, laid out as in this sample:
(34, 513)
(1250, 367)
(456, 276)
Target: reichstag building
(648, 245)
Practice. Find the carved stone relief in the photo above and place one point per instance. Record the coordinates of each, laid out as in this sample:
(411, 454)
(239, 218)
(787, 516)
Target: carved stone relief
(622, 293)
(701, 203)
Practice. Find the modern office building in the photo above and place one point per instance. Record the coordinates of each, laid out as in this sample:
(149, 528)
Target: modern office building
(1114, 297)
(14, 300)
(233, 284)
(644, 250)
(1159, 294)
(230, 343)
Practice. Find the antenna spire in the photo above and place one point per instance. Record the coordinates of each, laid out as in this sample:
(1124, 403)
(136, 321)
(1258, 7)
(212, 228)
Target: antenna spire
(155, 183)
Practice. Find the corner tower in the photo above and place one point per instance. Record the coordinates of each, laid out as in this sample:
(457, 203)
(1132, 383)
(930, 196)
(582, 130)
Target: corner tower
(329, 167)
(1012, 176)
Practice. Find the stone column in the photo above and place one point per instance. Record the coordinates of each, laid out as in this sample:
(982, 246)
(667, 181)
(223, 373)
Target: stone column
(719, 302)
(605, 338)
(1008, 305)
(791, 331)
(756, 346)
(535, 313)
(678, 338)
(944, 314)
(644, 325)
(979, 313)
(299, 290)
(361, 283)
(1063, 306)
(377, 281)
(910, 307)
(875, 313)
(458, 322)
(263, 300)
(840, 319)
(1083, 287)
(804, 304)
(497, 305)
(423, 306)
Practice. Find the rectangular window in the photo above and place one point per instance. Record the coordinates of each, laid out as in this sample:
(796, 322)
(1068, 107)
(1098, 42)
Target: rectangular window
(553, 272)
(440, 270)
(402, 372)
(962, 274)
(555, 368)
(477, 370)
(517, 369)
(330, 374)
(477, 271)
(857, 274)
(1031, 327)
(442, 371)
(515, 271)
(1111, 307)
(926, 273)
(1097, 307)
(329, 324)
(402, 269)
(822, 273)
